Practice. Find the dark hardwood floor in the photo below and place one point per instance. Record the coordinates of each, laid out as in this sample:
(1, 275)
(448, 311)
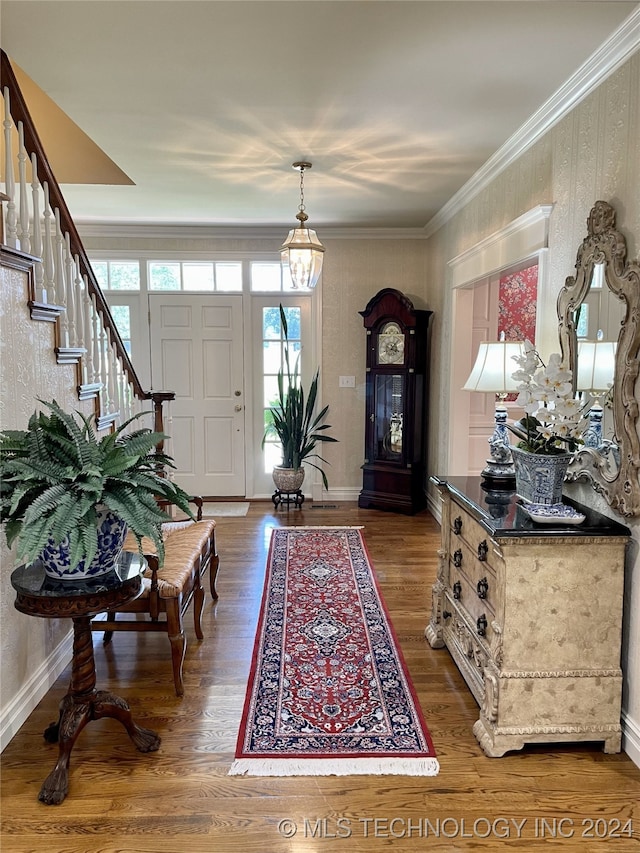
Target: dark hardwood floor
(181, 798)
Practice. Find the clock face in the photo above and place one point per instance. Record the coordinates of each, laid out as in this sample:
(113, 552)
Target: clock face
(391, 344)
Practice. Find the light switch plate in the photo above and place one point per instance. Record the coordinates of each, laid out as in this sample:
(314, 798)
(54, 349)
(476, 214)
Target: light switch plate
(347, 382)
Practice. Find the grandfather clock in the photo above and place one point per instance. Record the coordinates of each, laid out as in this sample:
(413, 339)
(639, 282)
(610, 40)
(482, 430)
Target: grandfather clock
(396, 404)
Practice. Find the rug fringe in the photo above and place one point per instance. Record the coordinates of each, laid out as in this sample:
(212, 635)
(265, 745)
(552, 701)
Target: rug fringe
(319, 527)
(334, 767)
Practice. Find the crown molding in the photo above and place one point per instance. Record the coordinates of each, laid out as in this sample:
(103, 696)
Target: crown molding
(236, 232)
(619, 47)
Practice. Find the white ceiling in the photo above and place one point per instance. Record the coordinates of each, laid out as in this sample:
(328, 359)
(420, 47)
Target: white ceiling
(206, 104)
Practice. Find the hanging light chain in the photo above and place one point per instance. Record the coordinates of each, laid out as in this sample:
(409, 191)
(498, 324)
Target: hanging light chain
(301, 216)
(301, 208)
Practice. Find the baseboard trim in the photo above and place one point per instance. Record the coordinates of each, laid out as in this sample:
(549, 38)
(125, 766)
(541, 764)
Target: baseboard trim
(631, 738)
(17, 711)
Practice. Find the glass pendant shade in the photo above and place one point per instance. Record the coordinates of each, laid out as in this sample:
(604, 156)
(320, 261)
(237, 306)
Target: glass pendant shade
(301, 253)
(301, 256)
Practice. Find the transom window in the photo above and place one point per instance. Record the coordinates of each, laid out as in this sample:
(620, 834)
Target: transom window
(267, 277)
(211, 276)
(194, 276)
(117, 275)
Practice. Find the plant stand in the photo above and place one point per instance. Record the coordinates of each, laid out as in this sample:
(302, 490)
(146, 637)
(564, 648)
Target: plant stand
(41, 596)
(280, 497)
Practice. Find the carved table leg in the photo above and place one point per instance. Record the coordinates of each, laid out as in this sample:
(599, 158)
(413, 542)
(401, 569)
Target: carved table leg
(74, 716)
(81, 705)
(105, 704)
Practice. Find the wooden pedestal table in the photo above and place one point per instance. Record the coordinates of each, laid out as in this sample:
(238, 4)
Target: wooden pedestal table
(39, 595)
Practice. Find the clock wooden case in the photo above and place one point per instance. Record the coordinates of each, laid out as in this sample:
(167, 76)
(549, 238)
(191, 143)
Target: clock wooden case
(394, 468)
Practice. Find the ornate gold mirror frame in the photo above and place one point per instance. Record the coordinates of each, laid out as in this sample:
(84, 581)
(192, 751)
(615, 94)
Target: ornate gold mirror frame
(613, 470)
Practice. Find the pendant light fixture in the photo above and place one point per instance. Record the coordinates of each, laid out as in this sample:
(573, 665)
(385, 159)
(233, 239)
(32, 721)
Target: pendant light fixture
(301, 253)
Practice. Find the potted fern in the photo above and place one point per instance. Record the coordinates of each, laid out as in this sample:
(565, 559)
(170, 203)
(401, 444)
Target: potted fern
(293, 420)
(68, 496)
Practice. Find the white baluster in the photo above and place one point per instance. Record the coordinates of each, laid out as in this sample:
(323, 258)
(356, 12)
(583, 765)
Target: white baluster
(128, 400)
(111, 371)
(10, 231)
(60, 284)
(88, 369)
(95, 341)
(78, 303)
(23, 223)
(69, 290)
(48, 284)
(37, 229)
(104, 379)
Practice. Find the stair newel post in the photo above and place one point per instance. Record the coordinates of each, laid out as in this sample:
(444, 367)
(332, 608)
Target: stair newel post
(59, 276)
(36, 248)
(11, 231)
(158, 398)
(48, 284)
(23, 230)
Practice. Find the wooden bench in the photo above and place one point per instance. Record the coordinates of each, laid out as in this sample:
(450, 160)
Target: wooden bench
(190, 551)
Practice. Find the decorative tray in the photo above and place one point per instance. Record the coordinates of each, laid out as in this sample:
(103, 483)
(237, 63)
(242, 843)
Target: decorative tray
(553, 513)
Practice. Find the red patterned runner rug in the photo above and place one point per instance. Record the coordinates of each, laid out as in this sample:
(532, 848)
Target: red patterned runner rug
(328, 692)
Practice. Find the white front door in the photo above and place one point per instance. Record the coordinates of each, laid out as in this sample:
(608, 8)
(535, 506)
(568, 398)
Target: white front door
(197, 352)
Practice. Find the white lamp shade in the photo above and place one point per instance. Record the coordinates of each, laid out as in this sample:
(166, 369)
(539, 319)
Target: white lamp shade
(596, 365)
(301, 256)
(494, 366)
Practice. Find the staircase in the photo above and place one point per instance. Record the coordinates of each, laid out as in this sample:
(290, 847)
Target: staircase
(38, 233)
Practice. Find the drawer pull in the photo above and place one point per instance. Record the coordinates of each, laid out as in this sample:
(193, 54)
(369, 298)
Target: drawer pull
(457, 590)
(457, 558)
(483, 588)
(483, 550)
(457, 525)
(481, 624)
(446, 614)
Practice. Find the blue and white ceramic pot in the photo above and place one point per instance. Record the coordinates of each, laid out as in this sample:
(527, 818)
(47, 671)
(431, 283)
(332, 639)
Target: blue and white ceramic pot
(539, 477)
(111, 533)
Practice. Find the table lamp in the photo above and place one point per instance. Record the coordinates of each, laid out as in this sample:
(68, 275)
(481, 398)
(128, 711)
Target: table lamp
(491, 374)
(596, 369)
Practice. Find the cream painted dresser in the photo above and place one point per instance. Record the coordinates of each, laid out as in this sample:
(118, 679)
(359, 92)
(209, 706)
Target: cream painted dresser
(532, 616)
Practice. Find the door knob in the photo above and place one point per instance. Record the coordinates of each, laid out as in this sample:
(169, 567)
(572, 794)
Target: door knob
(237, 408)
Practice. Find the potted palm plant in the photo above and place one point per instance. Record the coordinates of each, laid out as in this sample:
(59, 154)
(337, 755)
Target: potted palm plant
(293, 420)
(68, 496)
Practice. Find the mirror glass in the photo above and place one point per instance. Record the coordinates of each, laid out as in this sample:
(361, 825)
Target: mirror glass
(600, 340)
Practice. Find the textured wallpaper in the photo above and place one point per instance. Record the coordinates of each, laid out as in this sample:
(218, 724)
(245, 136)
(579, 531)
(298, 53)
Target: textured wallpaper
(592, 153)
(28, 370)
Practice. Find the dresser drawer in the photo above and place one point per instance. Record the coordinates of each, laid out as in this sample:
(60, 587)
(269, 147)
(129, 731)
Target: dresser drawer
(474, 597)
(466, 530)
(479, 573)
(476, 612)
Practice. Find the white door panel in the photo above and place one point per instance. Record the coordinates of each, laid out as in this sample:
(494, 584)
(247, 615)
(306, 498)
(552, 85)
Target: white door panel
(197, 352)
